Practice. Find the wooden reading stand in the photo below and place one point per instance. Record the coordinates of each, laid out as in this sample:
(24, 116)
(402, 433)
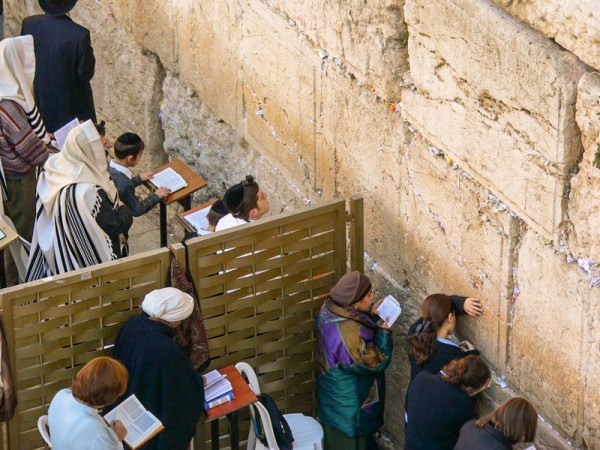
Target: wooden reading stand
(243, 397)
(183, 196)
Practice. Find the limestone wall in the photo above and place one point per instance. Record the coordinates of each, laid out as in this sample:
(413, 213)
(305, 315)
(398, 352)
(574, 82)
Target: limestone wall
(471, 127)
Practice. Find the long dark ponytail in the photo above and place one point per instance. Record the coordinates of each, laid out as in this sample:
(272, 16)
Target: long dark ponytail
(434, 311)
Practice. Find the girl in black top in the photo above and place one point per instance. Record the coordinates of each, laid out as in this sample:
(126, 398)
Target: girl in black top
(439, 405)
(429, 348)
(514, 421)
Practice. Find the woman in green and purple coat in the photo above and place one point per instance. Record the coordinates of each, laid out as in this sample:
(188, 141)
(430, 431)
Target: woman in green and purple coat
(352, 355)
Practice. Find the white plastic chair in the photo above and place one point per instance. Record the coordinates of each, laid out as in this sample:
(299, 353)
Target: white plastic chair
(43, 428)
(308, 433)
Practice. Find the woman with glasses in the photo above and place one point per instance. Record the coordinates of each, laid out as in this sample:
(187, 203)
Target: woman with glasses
(439, 405)
(429, 346)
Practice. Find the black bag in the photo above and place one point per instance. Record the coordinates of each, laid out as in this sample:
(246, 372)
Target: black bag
(281, 429)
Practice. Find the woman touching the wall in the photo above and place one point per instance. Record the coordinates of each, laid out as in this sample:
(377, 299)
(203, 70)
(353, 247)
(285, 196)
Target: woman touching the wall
(429, 346)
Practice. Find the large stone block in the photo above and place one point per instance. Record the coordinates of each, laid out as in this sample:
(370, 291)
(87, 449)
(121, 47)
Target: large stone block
(362, 143)
(498, 97)
(281, 84)
(546, 346)
(369, 39)
(458, 239)
(574, 25)
(208, 44)
(584, 201)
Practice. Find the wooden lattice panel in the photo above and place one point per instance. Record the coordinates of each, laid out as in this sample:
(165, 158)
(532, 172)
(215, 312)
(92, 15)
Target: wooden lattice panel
(261, 286)
(54, 326)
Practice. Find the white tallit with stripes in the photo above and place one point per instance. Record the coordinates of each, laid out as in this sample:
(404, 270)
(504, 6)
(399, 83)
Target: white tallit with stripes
(17, 71)
(66, 235)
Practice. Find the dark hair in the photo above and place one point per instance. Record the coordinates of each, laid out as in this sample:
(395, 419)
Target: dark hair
(516, 418)
(249, 200)
(217, 210)
(128, 144)
(100, 382)
(434, 311)
(468, 372)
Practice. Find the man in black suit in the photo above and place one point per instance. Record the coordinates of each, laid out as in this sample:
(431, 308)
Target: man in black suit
(64, 64)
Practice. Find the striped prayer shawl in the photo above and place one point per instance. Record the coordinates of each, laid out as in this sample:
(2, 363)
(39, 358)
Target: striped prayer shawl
(37, 124)
(68, 238)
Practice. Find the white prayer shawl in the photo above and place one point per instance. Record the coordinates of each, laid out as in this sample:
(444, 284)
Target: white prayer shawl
(17, 71)
(66, 235)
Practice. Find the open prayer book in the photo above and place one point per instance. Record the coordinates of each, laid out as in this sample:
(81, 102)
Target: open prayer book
(61, 134)
(168, 179)
(389, 310)
(217, 389)
(199, 221)
(141, 424)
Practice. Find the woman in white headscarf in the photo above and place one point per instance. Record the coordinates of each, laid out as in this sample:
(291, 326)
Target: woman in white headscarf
(161, 375)
(23, 138)
(80, 220)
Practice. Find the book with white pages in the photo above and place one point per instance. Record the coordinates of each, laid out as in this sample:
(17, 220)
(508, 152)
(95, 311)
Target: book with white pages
(389, 310)
(168, 179)
(61, 134)
(219, 388)
(2, 235)
(199, 220)
(140, 423)
(212, 377)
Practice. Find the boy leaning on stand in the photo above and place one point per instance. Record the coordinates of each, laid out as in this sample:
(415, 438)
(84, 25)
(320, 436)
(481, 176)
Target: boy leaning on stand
(129, 149)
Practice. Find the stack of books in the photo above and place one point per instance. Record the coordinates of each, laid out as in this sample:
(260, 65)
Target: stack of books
(217, 389)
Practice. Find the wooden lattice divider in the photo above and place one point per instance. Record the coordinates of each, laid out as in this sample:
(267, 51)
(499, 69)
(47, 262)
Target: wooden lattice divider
(261, 286)
(56, 325)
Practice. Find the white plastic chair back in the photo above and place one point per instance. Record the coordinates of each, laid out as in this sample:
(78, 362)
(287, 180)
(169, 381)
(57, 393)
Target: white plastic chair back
(43, 428)
(308, 433)
(246, 369)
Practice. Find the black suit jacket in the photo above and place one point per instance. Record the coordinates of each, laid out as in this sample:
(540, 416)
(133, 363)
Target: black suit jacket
(64, 67)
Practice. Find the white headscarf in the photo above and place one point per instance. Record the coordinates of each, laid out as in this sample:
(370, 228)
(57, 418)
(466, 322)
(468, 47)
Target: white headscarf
(168, 304)
(82, 160)
(17, 71)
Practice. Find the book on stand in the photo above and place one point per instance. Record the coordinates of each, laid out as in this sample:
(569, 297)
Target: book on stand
(217, 389)
(168, 179)
(140, 423)
(199, 221)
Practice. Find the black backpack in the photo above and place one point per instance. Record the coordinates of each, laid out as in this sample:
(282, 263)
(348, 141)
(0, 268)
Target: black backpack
(281, 429)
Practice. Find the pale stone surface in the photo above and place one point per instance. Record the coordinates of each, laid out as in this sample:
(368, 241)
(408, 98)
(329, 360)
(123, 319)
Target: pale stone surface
(466, 251)
(584, 201)
(591, 372)
(369, 41)
(361, 148)
(500, 98)
(574, 25)
(546, 345)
